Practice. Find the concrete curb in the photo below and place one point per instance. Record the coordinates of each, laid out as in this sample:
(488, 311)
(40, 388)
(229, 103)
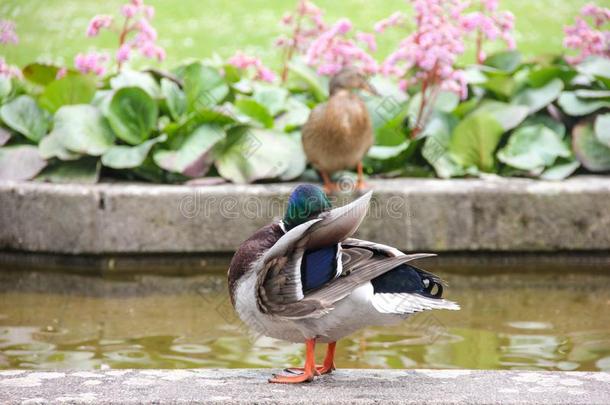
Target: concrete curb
(496, 214)
(343, 386)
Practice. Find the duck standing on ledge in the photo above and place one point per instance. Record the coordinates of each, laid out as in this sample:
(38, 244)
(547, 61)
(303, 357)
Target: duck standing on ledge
(338, 132)
(304, 279)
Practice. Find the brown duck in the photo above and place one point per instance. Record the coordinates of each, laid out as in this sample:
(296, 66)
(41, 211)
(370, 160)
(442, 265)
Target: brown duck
(338, 132)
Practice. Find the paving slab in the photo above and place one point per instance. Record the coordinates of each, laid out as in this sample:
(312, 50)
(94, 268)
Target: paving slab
(344, 386)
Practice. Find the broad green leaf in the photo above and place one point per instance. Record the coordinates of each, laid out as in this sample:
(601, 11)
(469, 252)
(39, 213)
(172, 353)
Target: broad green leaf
(24, 116)
(174, 97)
(602, 129)
(69, 90)
(593, 155)
(474, 75)
(534, 147)
(538, 98)
(562, 169)
(575, 106)
(204, 86)
(503, 85)
(40, 73)
(475, 139)
(296, 115)
(541, 75)
(436, 147)
(6, 87)
(255, 110)
(507, 61)
(381, 152)
(130, 78)
(445, 101)
(508, 115)
(132, 115)
(588, 93)
(595, 66)
(127, 157)
(256, 154)
(20, 162)
(51, 146)
(294, 148)
(194, 156)
(387, 88)
(85, 170)
(310, 78)
(273, 98)
(547, 121)
(83, 129)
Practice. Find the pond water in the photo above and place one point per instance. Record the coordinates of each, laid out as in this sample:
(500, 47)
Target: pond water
(516, 316)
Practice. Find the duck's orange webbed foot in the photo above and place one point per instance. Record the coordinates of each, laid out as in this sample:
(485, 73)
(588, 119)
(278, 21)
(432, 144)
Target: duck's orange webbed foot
(326, 368)
(360, 184)
(309, 371)
(329, 186)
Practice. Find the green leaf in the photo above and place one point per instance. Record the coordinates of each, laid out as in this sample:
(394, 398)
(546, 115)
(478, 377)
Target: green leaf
(6, 87)
(255, 110)
(503, 85)
(381, 152)
(538, 98)
(204, 87)
(253, 154)
(294, 149)
(51, 146)
(174, 97)
(40, 73)
(83, 129)
(310, 78)
(69, 90)
(130, 78)
(436, 147)
(475, 139)
(532, 148)
(595, 66)
(602, 129)
(83, 171)
(575, 106)
(507, 61)
(20, 162)
(588, 93)
(547, 121)
(132, 115)
(127, 157)
(194, 156)
(560, 170)
(541, 75)
(295, 116)
(508, 115)
(24, 116)
(593, 155)
(273, 98)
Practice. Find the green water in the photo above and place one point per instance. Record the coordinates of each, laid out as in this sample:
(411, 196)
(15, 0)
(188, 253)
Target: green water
(510, 319)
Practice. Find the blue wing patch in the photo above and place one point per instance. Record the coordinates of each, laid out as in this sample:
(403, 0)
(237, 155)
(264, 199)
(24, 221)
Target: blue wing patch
(318, 267)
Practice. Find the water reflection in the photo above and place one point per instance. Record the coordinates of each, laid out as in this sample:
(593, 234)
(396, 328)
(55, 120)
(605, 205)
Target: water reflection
(524, 322)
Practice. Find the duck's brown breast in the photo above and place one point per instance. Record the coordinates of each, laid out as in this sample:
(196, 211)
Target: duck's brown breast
(338, 133)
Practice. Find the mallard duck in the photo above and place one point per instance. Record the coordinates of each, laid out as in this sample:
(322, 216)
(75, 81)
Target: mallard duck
(338, 133)
(305, 279)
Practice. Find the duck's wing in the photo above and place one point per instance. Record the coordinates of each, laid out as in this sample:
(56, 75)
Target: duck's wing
(279, 283)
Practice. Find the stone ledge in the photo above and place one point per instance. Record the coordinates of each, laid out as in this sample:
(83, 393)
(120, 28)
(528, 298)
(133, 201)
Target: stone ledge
(495, 214)
(343, 386)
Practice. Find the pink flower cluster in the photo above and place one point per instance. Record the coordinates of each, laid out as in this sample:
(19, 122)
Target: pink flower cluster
(334, 49)
(491, 24)
(7, 70)
(589, 39)
(430, 52)
(306, 24)
(395, 20)
(242, 61)
(92, 62)
(136, 34)
(7, 32)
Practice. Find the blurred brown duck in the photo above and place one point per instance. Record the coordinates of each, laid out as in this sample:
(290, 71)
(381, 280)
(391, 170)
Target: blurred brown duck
(338, 132)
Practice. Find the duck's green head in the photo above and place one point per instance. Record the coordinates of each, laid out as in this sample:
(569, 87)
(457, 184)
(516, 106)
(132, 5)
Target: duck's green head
(306, 202)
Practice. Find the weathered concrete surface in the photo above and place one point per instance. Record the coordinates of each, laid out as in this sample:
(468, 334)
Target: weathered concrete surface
(496, 214)
(343, 386)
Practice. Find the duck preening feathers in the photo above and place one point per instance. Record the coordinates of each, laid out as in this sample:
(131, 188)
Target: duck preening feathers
(305, 279)
(338, 132)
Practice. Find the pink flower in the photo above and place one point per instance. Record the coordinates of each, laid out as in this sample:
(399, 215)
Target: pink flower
(589, 40)
(243, 61)
(306, 25)
(129, 10)
(368, 39)
(123, 53)
(91, 62)
(490, 24)
(394, 20)
(9, 71)
(7, 32)
(98, 22)
(61, 73)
